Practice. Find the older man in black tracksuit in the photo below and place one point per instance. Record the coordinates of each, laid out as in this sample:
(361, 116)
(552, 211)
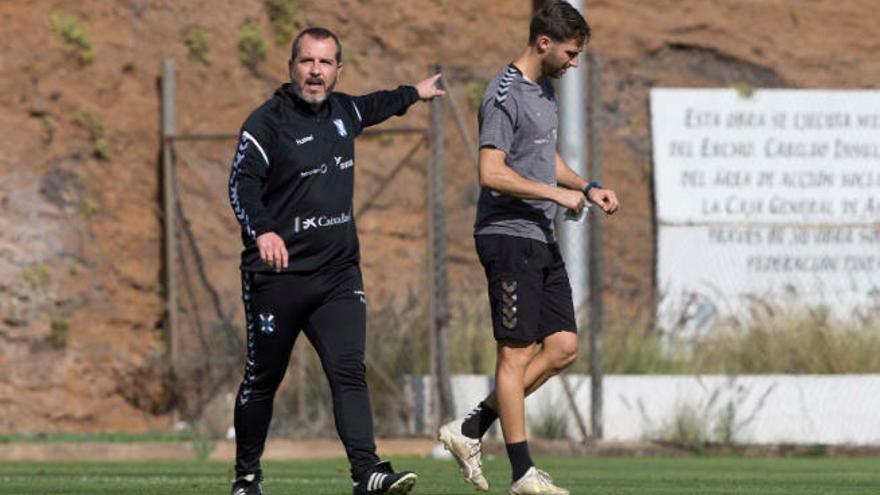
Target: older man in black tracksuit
(291, 190)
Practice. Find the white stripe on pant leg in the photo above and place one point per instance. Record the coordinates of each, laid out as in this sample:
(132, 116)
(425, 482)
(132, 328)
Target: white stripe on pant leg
(250, 361)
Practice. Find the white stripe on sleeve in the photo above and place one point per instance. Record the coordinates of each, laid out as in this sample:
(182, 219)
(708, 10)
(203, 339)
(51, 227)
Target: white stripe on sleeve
(249, 137)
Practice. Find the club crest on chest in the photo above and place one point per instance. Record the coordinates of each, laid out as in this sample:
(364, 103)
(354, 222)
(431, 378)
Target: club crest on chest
(340, 127)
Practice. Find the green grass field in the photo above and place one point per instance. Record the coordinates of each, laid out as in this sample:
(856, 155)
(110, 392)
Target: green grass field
(649, 476)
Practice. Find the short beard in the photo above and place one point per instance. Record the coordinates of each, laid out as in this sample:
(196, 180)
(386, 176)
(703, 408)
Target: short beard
(552, 71)
(311, 100)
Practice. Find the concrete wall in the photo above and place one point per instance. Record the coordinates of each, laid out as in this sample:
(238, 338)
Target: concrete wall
(757, 409)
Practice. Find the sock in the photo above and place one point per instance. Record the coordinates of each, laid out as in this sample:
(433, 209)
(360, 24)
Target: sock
(478, 421)
(248, 478)
(520, 460)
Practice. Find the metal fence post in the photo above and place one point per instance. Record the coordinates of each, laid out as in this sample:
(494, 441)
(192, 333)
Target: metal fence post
(595, 235)
(169, 128)
(437, 273)
(572, 148)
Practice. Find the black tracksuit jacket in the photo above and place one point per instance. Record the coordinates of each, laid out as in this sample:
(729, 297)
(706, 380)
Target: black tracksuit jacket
(293, 174)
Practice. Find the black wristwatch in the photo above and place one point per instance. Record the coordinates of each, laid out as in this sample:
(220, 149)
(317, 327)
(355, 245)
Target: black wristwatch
(589, 187)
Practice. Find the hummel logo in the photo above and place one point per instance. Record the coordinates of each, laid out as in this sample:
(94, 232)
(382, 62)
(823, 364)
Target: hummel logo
(302, 141)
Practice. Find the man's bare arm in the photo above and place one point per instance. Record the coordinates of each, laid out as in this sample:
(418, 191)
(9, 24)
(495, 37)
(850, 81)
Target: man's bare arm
(604, 198)
(567, 177)
(495, 174)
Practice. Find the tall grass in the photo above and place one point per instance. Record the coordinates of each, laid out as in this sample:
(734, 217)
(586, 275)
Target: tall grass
(793, 341)
(802, 342)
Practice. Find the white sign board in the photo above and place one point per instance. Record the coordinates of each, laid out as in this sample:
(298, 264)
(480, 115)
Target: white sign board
(771, 195)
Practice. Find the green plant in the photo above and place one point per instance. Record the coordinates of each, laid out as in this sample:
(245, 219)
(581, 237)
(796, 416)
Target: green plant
(59, 332)
(475, 90)
(551, 424)
(203, 447)
(49, 125)
(198, 41)
(37, 275)
(688, 428)
(715, 418)
(635, 122)
(69, 29)
(743, 89)
(632, 348)
(284, 17)
(473, 348)
(89, 207)
(101, 148)
(772, 339)
(443, 4)
(74, 267)
(158, 343)
(801, 341)
(97, 132)
(817, 450)
(251, 47)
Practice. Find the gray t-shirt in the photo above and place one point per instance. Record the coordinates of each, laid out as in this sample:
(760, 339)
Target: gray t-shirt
(518, 117)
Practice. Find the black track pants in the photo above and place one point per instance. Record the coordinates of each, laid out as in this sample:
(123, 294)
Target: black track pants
(330, 307)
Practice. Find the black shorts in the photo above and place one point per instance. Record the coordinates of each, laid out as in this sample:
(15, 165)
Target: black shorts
(529, 291)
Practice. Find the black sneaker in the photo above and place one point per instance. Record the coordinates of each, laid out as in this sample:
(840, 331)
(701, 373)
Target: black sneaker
(383, 479)
(247, 485)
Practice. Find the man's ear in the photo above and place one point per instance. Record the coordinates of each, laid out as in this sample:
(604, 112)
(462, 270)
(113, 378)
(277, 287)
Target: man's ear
(543, 43)
(338, 72)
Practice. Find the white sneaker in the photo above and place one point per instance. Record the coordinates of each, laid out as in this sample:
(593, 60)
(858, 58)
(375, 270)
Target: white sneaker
(466, 451)
(535, 482)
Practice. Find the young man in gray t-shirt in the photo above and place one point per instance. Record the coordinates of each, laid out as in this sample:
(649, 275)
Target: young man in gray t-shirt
(523, 181)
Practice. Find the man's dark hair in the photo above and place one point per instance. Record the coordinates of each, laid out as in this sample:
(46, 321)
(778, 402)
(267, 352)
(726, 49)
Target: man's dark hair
(318, 33)
(560, 22)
